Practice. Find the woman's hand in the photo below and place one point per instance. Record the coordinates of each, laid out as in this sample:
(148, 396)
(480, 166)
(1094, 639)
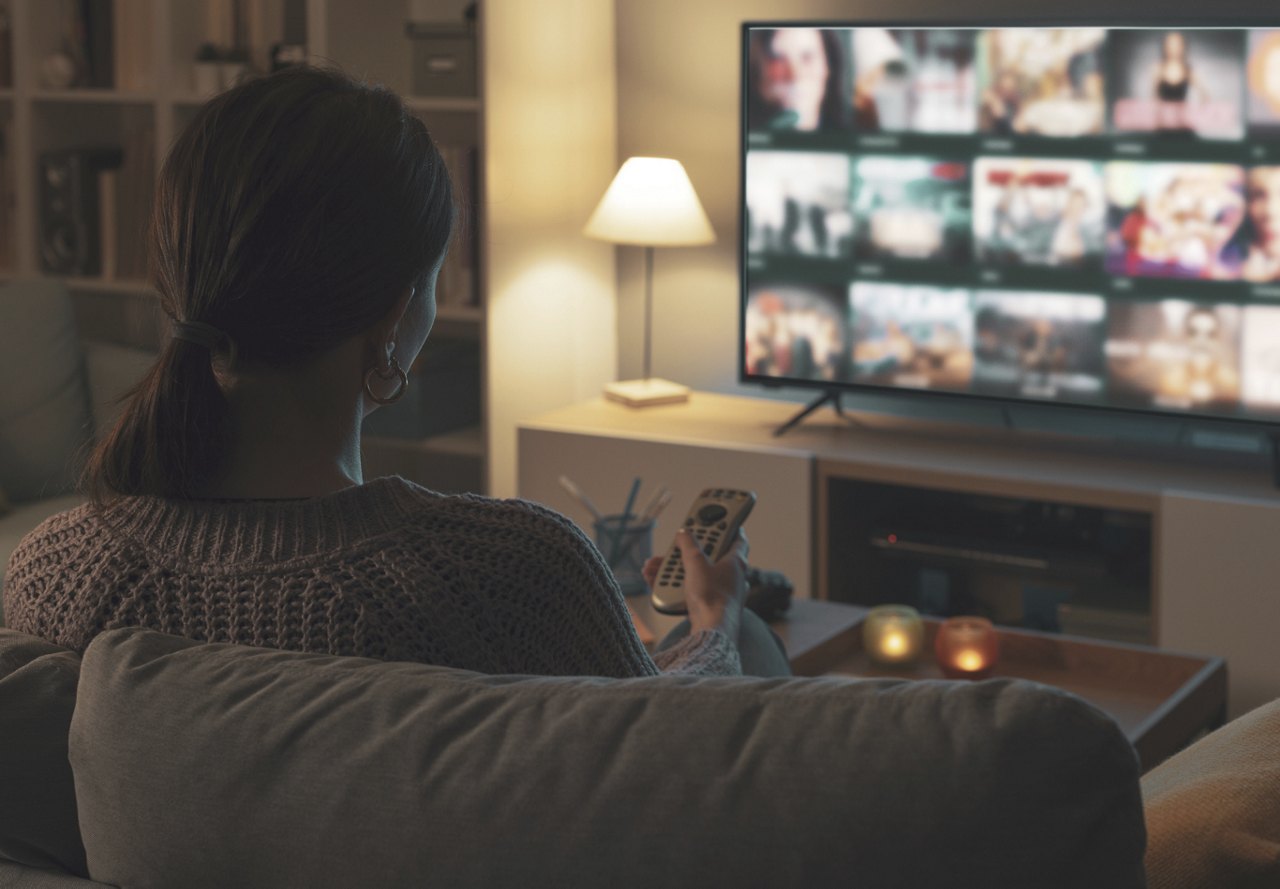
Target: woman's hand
(713, 593)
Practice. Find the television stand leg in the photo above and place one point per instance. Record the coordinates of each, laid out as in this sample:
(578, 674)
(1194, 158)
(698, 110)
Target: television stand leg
(830, 395)
(1274, 436)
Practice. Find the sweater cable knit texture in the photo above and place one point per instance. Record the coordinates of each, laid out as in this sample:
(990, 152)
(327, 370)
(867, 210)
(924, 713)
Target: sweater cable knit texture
(387, 570)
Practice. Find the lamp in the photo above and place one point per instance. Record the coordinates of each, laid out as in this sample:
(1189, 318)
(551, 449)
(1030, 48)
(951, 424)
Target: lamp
(650, 203)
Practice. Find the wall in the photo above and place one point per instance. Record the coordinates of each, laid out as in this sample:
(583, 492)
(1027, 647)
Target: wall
(550, 140)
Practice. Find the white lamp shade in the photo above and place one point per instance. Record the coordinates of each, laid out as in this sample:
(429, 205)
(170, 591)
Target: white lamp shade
(651, 202)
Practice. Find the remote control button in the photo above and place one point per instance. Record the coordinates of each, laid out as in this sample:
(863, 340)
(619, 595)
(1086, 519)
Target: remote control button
(723, 526)
(711, 513)
(709, 549)
(688, 521)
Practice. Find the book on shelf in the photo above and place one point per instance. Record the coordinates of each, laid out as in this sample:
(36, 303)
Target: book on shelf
(6, 45)
(8, 197)
(134, 189)
(94, 43)
(131, 29)
(459, 274)
(109, 223)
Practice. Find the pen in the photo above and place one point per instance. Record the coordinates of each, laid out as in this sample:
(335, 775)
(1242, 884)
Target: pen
(576, 493)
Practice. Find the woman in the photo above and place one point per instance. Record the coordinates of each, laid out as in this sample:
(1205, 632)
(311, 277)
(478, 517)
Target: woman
(1253, 253)
(798, 80)
(298, 228)
(1173, 81)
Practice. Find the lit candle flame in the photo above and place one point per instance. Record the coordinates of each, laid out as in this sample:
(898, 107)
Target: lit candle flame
(969, 660)
(894, 644)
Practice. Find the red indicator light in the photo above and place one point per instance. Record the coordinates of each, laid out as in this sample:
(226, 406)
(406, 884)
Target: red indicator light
(893, 538)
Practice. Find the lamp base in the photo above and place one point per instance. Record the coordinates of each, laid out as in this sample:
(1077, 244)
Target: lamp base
(646, 393)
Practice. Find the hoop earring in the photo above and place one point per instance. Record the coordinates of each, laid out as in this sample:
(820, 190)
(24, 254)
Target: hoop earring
(393, 371)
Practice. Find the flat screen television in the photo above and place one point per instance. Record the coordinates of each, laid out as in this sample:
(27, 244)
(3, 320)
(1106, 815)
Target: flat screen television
(1084, 216)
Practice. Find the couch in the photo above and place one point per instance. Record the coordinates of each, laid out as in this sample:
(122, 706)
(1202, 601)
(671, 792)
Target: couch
(155, 761)
(57, 393)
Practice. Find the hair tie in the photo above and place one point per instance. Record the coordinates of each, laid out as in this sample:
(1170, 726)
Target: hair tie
(205, 335)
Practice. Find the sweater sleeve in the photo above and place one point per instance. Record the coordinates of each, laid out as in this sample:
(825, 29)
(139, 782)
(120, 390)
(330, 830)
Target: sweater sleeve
(582, 609)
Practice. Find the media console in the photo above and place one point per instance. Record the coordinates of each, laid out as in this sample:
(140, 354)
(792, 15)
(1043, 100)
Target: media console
(1205, 584)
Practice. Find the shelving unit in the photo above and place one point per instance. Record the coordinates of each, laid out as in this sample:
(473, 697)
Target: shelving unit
(154, 97)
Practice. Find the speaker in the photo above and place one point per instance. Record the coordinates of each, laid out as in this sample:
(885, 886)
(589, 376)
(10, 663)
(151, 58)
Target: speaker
(70, 227)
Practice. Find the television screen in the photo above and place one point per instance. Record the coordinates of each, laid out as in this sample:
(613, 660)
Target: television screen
(1078, 215)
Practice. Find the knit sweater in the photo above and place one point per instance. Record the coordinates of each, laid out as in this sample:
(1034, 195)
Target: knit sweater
(386, 570)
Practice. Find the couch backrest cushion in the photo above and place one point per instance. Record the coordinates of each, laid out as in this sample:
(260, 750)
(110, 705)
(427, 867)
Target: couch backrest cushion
(37, 798)
(1213, 811)
(44, 406)
(213, 765)
(113, 372)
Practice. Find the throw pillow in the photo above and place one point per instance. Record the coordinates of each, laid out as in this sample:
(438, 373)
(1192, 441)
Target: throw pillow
(38, 826)
(1213, 811)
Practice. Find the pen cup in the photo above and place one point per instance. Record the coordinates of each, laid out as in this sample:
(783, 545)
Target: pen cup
(626, 547)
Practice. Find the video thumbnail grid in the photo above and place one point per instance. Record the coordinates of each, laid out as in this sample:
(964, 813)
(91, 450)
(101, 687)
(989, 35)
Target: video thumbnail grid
(1095, 221)
(1214, 84)
(1162, 354)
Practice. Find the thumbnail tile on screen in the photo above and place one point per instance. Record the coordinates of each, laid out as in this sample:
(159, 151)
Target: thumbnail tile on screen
(1174, 354)
(800, 79)
(1172, 220)
(910, 335)
(1262, 73)
(797, 332)
(1039, 345)
(1253, 251)
(1042, 81)
(1030, 211)
(1178, 82)
(914, 80)
(911, 208)
(798, 204)
(1261, 359)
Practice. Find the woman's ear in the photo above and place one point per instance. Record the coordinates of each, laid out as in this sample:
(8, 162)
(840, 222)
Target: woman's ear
(384, 332)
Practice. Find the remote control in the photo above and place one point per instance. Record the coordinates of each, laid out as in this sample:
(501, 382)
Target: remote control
(713, 520)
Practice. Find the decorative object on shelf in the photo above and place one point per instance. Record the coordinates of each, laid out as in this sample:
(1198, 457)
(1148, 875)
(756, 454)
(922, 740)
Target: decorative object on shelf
(444, 48)
(967, 647)
(207, 70)
(58, 70)
(893, 634)
(70, 211)
(650, 203)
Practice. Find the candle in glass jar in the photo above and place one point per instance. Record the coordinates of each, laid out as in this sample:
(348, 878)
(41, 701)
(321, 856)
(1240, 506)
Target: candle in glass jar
(893, 634)
(967, 647)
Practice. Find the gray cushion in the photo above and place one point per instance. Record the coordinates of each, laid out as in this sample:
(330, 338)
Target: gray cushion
(44, 408)
(113, 372)
(18, 876)
(37, 799)
(203, 765)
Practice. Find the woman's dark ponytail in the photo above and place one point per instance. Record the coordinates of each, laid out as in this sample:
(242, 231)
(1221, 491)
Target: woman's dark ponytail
(173, 435)
(290, 215)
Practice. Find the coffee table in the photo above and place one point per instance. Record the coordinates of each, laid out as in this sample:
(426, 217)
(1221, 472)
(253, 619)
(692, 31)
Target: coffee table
(1162, 700)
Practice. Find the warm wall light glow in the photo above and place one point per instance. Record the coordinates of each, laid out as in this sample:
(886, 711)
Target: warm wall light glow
(651, 202)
